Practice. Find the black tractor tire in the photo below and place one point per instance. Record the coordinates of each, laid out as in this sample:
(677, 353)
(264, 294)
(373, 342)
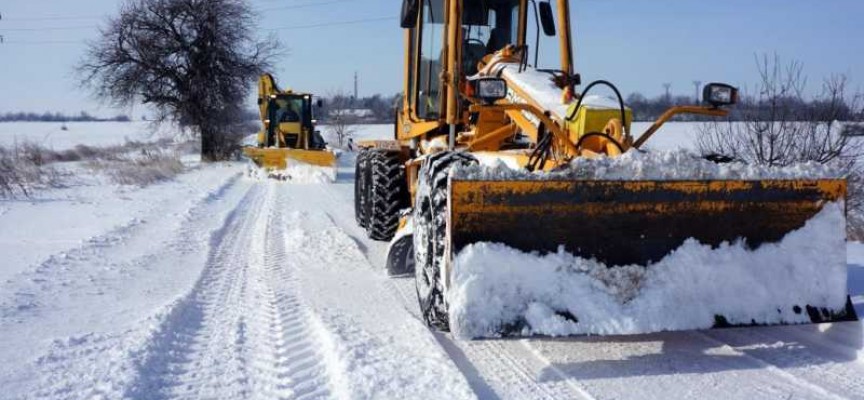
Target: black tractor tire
(430, 230)
(388, 194)
(361, 188)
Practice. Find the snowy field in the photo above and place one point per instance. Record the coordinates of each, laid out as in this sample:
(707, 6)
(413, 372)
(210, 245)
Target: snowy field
(98, 134)
(221, 285)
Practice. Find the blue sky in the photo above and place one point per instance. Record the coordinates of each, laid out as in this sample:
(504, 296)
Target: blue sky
(639, 45)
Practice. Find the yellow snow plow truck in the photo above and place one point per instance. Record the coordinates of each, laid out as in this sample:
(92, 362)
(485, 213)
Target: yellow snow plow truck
(288, 130)
(475, 97)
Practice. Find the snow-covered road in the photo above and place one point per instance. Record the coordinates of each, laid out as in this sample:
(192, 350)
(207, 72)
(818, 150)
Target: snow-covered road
(217, 285)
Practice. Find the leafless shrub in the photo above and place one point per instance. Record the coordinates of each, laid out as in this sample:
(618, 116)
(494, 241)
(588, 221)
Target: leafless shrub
(781, 127)
(28, 165)
(141, 169)
(22, 169)
(341, 119)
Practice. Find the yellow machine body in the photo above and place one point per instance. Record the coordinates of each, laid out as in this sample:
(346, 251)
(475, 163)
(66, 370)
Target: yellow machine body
(288, 130)
(280, 158)
(619, 222)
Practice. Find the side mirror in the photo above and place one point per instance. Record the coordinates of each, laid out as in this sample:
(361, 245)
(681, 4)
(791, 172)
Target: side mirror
(547, 18)
(408, 18)
(319, 103)
(720, 94)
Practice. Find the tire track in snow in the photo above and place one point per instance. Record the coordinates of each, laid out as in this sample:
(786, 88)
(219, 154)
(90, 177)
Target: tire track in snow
(795, 353)
(241, 333)
(63, 269)
(99, 365)
(493, 369)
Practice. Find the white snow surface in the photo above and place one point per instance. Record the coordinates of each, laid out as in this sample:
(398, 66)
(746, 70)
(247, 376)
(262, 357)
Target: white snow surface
(494, 285)
(295, 172)
(97, 134)
(215, 285)
(538, 85)
(649, 165)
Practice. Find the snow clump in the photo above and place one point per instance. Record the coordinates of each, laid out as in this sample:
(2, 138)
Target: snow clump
(496, 288)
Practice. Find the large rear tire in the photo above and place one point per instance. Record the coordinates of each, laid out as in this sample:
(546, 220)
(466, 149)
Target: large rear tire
(388, 194)
(430, 230)
(361, 183)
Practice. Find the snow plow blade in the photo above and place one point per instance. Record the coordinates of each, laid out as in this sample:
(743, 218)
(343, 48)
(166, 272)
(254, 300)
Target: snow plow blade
(636, 222)
(276, 159)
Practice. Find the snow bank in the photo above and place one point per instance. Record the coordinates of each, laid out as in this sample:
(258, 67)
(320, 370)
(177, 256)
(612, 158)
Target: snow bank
(660, 165)
(295, 173)
(494, 286)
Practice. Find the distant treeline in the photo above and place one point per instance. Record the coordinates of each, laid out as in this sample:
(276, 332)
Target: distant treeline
(380, 109)
(748, 108)
(58, 117)
(376, 109)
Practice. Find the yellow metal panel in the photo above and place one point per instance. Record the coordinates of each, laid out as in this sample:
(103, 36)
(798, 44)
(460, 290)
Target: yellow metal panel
(632, 222)
(595, 120)
(293, 128)
(278, 158)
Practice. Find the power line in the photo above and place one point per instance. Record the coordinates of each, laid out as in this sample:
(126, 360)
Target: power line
(59, 28)
(86, 27)
(285, 28)
(57, 18)
(99, 17)
(351, 22)
(307, 5)
(43, 42)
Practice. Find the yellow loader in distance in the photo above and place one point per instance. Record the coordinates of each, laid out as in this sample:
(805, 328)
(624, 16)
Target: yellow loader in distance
(474, 93)
(288, 132)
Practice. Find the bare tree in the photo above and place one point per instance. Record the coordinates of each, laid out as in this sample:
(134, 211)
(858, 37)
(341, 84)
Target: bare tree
(191, 60)
(342, 120)
(780, 126)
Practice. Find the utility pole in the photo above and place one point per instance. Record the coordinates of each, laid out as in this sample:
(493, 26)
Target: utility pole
(697, 85)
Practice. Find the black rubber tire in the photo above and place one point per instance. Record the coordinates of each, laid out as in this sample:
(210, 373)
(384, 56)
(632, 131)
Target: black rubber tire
(388, 194)
(361, 183)
(430, 230)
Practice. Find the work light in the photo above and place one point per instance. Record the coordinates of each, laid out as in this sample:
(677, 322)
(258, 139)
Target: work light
(489, 89)
(720, 94)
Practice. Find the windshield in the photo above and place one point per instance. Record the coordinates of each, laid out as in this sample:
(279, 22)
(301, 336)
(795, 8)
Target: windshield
(288, 109)
(492, 23)
(488, 26)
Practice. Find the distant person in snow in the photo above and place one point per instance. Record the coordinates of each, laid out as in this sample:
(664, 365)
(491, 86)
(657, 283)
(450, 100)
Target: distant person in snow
(350, 144)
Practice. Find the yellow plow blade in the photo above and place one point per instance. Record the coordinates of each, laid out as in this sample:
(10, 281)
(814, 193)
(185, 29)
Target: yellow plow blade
(276, 159)
(632, 222)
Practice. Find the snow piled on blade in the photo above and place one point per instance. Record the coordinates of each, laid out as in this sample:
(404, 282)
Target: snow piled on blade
(497, 287)
(657, 165)
(295, 173)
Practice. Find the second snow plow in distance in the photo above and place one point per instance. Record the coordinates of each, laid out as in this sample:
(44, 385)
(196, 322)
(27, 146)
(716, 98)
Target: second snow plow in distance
(289, 133)
(472, 99)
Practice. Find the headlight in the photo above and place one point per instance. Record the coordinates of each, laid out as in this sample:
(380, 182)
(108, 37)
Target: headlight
(720, 94)
(490, 89)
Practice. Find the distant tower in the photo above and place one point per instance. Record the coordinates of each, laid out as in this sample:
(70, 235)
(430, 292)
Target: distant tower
(668, 87)
(356, 86)
(697, 85)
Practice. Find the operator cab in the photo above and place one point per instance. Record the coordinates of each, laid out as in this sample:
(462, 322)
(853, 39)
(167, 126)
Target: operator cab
(487, 27)
(291, 116)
